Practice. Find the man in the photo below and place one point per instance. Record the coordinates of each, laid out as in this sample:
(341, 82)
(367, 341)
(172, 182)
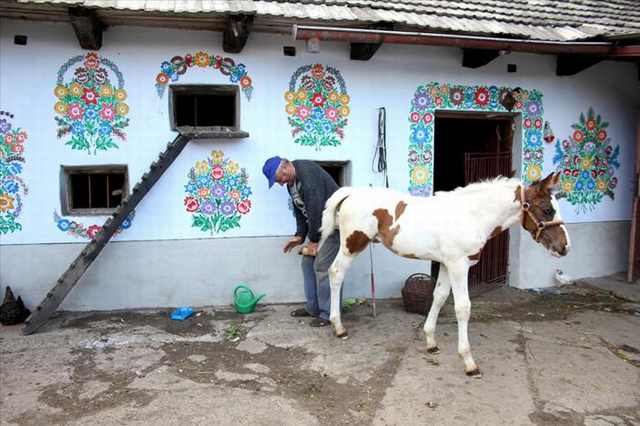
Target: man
(309, 187)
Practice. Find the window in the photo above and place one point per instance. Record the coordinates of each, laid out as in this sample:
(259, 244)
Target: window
(340, 171)
(211, 111)
(93, 190)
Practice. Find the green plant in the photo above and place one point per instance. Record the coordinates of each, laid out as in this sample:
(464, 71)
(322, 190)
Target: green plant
(233, 331)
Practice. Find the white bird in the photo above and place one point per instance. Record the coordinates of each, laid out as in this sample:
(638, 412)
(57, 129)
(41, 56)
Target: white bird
(562, 278)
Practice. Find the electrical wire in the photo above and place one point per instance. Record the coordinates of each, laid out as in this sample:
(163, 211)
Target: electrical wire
(379, 162)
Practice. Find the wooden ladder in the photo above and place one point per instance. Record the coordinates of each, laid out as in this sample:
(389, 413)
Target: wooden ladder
(77, 268)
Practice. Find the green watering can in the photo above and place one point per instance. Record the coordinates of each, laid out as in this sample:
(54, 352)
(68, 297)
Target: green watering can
(244, 300)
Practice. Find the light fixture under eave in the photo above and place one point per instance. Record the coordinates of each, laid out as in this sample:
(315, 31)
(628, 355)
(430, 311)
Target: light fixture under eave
(313, 45)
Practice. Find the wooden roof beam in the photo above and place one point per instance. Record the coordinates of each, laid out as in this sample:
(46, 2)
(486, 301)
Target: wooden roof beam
(568, 64)
(476, 58)
(87, 26)
(365, 51)
(236, 32)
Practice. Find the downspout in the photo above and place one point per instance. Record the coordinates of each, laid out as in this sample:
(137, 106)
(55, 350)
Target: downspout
(361, 35)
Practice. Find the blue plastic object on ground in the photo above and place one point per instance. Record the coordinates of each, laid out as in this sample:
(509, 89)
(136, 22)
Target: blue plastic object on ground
(181, 313)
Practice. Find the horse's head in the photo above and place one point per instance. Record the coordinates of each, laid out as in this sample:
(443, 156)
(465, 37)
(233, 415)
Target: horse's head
(541, 215)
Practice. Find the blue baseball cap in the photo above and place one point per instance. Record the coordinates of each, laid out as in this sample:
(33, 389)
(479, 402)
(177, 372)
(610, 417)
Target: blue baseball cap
(269, 169)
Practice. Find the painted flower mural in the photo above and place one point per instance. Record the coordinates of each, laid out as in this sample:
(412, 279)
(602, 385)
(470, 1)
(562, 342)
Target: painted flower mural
(171, 70)
(317, 105)
(587, 162)
(90, 108)
(12, 187)
(88, 232)
(217, 194)
(433, 96)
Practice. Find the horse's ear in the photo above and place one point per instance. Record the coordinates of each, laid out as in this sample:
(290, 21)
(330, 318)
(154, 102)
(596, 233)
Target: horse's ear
(551, 182)
(512, 174)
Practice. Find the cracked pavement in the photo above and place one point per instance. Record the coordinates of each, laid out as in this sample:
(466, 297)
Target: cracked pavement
(567, 358)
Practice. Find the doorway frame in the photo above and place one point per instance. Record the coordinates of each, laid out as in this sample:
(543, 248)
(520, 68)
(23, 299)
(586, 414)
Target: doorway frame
(527, 146)
(514, 152)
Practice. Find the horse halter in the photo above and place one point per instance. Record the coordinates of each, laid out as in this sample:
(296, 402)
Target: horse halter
(541, 225)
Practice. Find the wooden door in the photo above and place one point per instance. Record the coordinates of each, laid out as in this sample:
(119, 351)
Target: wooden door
(491, 270)
(634, 243)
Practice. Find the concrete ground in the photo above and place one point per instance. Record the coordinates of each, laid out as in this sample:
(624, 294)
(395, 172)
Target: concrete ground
(564, 357)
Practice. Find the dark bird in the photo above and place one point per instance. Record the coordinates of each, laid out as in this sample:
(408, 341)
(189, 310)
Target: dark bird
(12, 311)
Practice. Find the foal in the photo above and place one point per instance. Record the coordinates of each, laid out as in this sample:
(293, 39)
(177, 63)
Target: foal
(450, 227)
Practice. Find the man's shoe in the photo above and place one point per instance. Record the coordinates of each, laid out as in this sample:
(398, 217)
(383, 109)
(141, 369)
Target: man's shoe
(302, 312)
(319, 322)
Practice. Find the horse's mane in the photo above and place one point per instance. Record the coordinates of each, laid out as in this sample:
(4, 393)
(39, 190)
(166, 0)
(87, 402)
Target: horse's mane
(481, 186)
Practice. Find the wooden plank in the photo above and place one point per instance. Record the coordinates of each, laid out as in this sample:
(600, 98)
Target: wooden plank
(634, 241)
(77, 268)
(236, 32)
(360, 51)
(476, 58)
(363, 51)
(568, 64)
(633, 273)
(87, 26)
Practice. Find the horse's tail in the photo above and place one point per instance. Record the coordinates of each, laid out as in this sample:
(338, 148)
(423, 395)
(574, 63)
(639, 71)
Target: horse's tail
(329, 213)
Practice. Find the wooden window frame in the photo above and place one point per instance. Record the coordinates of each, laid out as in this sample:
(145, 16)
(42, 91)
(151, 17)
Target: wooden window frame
(206, 131)
(66, 188)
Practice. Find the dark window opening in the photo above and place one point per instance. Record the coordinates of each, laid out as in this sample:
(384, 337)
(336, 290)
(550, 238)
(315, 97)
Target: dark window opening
(338, 170)
(93, 189)
(206, 110)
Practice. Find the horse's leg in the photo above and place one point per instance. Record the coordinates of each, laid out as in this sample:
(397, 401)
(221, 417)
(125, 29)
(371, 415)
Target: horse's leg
(458, 274)
(337, 271)
(440, 295)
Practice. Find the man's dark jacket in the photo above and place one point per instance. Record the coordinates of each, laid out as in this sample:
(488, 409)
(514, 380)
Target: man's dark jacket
(315, 189)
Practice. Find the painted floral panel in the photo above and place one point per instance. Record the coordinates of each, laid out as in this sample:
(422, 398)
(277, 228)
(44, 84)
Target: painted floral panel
(12, 187)
(87, 232)
(317, 105)
(171, 70)
(217, 194)
(587, 161)
(91, 109)
(434, 96)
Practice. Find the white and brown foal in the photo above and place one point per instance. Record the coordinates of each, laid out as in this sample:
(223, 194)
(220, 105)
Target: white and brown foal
(450, 227)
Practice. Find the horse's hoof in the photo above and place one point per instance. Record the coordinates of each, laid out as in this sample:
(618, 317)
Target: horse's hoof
(434, 350)
(342, 335)
(476, 374)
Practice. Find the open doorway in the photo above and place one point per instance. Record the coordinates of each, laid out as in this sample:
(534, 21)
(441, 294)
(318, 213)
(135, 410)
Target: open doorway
(470, 147)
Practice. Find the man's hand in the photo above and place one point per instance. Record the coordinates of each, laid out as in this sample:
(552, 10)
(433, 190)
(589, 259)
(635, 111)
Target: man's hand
(312, 249)
(294, 241)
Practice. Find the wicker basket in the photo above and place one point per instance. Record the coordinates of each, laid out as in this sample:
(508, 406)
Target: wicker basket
(417, 293)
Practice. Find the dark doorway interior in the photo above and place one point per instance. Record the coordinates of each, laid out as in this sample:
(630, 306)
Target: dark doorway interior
(337, 170)
(459, 133)
(470, 147)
